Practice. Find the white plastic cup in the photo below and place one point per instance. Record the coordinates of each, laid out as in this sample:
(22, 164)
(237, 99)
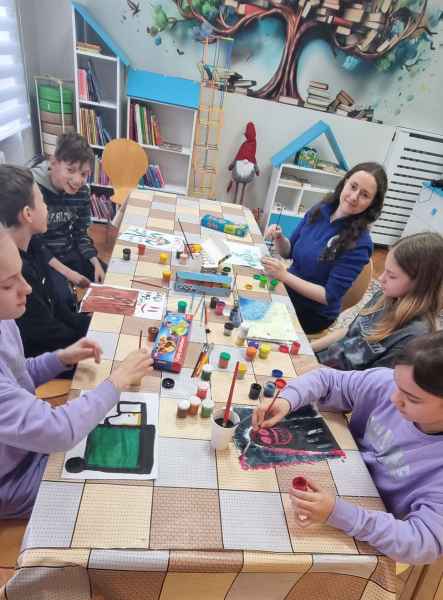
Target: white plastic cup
(221, 436)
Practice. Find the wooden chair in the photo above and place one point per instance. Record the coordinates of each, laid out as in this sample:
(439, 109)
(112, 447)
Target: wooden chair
(53, 389)
(124, 162)
(11, 535)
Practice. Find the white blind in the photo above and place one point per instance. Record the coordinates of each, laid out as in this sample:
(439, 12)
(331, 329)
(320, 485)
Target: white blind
(14, 107)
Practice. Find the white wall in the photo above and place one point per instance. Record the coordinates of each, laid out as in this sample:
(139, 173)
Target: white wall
(278, 124)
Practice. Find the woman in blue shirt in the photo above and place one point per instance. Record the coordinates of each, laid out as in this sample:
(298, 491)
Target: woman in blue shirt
(330, 246)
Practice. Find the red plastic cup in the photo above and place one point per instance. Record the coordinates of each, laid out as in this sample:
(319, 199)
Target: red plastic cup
(300, 483)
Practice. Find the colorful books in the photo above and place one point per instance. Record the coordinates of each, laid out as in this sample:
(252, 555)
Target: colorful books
(102, 207)
(153, 177)
(143, 125)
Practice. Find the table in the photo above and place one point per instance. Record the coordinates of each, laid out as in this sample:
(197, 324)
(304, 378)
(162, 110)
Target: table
(204, 529)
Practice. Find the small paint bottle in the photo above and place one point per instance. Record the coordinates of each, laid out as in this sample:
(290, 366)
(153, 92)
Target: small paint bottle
(207, 407)
(181, 306)
(263, 282)
(226, 270)
(141, 249)
(183, 408)
(177, 254)
(269, 389)
(254, 344)
(183, 258)
(194, 405)
(254, 391)
(227, 330)
(219, 308)
(223, 360)
(276, 373)
(295, 347)
(234, 315)
(242, 369)
(202, 389)
(264, 351)
(241, 335)
(213, 302)
(250, 353)
(126, 253)
(206, 373)
(166, 276)
(280, 383)
(283, 348)
(273, 284)
(152, 333)
(300, 483)
(163, 258)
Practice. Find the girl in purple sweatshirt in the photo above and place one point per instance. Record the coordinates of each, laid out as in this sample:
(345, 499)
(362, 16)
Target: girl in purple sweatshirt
(29, 427)
(397, 422)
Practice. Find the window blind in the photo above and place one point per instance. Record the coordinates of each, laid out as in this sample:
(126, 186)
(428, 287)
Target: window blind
(14, 106)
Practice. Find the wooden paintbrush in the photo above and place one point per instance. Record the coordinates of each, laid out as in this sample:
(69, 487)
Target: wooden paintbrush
(231, 394)
(252, 433)
(186, 239)
(140, 339)
(148, 283)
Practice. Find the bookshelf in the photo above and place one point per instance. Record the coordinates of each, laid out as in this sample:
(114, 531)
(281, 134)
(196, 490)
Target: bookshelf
(99, 67)
(161, 117)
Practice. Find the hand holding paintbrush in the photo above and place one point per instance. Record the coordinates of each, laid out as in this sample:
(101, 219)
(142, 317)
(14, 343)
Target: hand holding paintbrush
(270, 413)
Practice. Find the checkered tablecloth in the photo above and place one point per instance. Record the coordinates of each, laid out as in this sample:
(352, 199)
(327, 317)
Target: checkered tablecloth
(204, 529)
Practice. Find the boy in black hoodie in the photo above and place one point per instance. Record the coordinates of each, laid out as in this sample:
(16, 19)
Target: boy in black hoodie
(62, 181)
(47, 324)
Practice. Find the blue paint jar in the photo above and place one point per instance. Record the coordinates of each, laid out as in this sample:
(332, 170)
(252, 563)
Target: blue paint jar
(269, 389)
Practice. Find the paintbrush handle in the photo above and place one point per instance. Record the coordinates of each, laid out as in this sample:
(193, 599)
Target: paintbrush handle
(231, 393)
(268, 410)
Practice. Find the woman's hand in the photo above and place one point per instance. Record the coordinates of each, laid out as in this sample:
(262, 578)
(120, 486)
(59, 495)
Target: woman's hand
(274, 268)
(79, 351)
(130, 371)
(313, 506)
(279, 410)
(273, 232)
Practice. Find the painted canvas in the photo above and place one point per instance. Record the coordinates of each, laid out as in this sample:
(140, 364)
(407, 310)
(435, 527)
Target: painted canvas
(123, 301)
(155, 240)
(268, 321)
(244, 255)
(302, 436)
(123, 446)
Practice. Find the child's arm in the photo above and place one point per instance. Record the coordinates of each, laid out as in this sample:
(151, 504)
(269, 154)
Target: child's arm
(417, 539)
(45, 367)
(326, 340)
(74, 277)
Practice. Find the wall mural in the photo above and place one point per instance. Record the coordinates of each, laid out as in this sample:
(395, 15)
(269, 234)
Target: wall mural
(379, 60)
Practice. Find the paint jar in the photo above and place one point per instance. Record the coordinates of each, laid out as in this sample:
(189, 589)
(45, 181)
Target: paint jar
(194, 405)
(242, 369)
(227, 329)
(276, 373)
(141, 249)
(206, 373)
(207, 407)
(183, 408)
(223, 360)
(126, 253)
(295, 347)
(280, 383)
(181, 306)
(152, 333)
(183, 258)
(213, 302)
(196, 248)
(163, 258)
(221, 436)
(273, 284)
(202, 389)
(300, 483)
(250, 353)
(166, 276)
(219, 308)
(241, 335)
(177, 254)
(263, 282)
(264, 351)
(283, 348)
(226, 270)
(254, 391)
(254, 344)
(269, 389)
(234, 315)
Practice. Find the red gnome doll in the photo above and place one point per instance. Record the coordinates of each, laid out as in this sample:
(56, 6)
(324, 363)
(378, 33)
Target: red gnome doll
(244, 166)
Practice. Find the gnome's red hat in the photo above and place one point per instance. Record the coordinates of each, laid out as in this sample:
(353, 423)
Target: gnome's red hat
(247, 149)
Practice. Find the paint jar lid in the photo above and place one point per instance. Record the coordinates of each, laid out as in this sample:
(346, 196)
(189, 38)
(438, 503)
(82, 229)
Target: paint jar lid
(203, 385)
(226, 270)
(265, 348)
(253, 344)
(229, 326)
(283, 348)
(208, 403)
(183, 404)
(269, 384)
(164, 255)
(300, 483)
(273, 282)
(168, 383)
(225, 356)
(182, 305)
(166, 273)
(276, 373)
(257, 276)
(194, 400)
(280, 383)
(256, 387)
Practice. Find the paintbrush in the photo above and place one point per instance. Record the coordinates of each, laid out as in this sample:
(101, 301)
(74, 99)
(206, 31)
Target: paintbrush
(148, 283)
(186, 239)
(140, 339)
(204, 359)
(197, 308)
(199, 359)
(252, 434)
(231, 394)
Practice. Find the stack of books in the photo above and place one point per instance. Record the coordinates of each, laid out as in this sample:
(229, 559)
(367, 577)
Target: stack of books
(318, 96)
(98, 175)
(89, 47)
(88, 86)
(143, 125)
(92, 128)
(102, 207)
(343, 104)
(153, 177)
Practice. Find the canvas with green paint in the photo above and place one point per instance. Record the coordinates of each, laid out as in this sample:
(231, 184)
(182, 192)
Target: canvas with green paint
(122, 446)
(267, 321)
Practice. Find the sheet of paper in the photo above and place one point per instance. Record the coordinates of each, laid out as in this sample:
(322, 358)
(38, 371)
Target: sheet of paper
(244, 255)
(267, 321)
(156, 240)
(123, 446)
(113, 299)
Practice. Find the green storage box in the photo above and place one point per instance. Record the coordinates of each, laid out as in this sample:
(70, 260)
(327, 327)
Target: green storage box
(54, 107)
(52, 93)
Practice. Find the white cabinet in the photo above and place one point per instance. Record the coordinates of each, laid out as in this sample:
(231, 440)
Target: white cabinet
(427, 214)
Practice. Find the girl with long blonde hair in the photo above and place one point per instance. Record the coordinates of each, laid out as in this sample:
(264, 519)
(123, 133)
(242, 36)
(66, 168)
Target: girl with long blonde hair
(407, 306)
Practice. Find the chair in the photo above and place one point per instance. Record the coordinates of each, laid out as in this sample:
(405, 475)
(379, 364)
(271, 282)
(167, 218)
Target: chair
(124, 162)
(53, 389)
(11, 535)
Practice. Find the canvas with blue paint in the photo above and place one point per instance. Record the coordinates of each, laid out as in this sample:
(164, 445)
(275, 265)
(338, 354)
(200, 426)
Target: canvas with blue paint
(267, 321)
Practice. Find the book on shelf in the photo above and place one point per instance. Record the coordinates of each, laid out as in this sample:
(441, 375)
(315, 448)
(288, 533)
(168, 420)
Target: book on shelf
(102, 207)
(143, 125)
(92, 128)
(171, 146)
(289, 100)
(89, 88)
(89, 47)
(153, 177)
(98, 176)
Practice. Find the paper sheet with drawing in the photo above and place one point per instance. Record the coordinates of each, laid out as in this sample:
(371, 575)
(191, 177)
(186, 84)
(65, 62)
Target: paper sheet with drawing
(118, 300)
(123, 446)
(267, 321)
(155, 240)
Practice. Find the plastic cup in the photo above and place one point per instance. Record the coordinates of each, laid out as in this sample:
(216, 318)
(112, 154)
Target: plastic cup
(221, 436)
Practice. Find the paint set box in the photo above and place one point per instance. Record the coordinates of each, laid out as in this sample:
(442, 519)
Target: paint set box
(203, 283)
(172, 341)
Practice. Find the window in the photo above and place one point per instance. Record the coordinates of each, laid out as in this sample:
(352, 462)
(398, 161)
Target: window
(14, 107)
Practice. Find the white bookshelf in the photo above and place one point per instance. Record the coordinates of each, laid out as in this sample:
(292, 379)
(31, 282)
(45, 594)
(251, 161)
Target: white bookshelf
(293, 190)
(108, 68)
(177, 126)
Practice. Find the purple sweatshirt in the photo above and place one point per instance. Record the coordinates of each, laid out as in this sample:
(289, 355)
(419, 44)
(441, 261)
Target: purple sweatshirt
(405, 463)
(30, 428)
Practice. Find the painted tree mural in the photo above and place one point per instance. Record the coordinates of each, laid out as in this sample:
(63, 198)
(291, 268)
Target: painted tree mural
(383, 32)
